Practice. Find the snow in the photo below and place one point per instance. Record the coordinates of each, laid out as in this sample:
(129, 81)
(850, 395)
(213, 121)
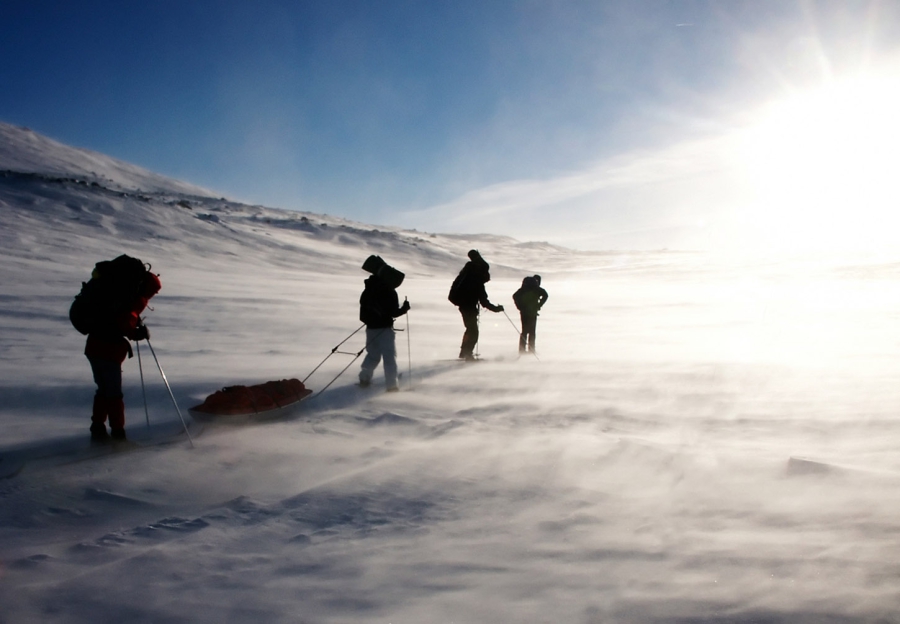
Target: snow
(702, 440)
(24, 150)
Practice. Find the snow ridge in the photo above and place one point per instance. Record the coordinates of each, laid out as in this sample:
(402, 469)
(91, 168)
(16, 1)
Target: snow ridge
(24, 151)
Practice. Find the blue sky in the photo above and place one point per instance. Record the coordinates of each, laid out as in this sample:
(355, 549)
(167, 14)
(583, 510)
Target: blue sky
(595, 124)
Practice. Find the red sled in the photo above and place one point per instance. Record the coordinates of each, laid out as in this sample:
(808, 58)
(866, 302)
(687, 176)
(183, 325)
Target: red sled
(235, 404)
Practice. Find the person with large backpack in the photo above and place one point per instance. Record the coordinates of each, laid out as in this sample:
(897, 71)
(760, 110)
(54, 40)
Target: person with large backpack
(468, 293)
(108, 310)
(529, 299)
(379, 305)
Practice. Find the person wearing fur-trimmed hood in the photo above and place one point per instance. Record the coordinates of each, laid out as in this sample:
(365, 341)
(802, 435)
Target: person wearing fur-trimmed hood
(379, 305)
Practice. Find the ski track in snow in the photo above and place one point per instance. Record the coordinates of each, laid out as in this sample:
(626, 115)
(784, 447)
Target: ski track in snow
(701, 441)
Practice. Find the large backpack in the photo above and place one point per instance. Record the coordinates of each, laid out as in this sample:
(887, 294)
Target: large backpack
(466, 287)
(113, 285)
(457, 289)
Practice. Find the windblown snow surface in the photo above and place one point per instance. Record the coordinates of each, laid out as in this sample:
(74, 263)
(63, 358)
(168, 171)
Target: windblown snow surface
(700, 441)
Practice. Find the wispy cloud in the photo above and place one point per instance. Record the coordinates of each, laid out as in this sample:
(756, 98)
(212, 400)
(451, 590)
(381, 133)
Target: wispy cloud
(808, 171)
(677, 183)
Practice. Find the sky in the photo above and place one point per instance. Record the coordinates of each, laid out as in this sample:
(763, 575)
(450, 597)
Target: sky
(653, 124)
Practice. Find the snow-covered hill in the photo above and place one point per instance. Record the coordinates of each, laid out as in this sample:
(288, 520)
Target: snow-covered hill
(698, 442)
(25, 151)
(96, 204)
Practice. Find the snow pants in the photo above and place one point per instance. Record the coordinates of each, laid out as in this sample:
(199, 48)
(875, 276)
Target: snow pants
(529, 328)
(108, 401)
(470, 337)
(380, 345)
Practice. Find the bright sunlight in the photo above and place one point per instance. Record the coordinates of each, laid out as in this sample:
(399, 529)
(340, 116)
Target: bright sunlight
(822, 165)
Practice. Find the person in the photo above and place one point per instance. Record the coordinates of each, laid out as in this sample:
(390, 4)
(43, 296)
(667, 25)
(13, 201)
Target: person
(529, 299)
(378, 307)
(467, 293)
(107, 346)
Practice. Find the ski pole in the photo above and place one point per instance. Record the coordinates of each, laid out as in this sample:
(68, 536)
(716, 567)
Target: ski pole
(169, 388)
(143, 387)
(519, 332)
(477, 325)
(515, 327)
(333, 351)
(408, 347)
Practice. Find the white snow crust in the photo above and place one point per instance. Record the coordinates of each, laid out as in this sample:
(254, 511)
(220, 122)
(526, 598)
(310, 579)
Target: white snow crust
(700, 441)
(23, 150)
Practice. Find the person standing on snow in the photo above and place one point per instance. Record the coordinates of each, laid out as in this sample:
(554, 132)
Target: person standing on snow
(529, 299)
(467, 293)
(379, 305)
(124, 287)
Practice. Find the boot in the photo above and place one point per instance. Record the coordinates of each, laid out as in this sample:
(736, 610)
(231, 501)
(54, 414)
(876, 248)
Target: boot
(116, 410)
(98, 420)
(98, 432)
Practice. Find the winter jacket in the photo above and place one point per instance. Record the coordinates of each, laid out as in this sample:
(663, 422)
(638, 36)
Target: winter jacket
(530, 297)
(468, 287)
(379, 304)
(110, 341)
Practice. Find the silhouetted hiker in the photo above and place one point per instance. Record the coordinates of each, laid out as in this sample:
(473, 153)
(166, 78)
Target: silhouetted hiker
(529, 299)
(108, 309)
(379, 305)
(467, 292)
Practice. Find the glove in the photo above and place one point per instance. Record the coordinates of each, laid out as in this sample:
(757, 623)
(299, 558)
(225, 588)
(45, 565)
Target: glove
(404, 308)
(499, 308)
(141, 333)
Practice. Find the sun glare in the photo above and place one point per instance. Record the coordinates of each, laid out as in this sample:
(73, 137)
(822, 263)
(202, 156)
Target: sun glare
(822, 165)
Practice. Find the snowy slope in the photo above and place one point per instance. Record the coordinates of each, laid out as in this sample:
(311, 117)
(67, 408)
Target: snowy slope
(651, 467)
(23, 150)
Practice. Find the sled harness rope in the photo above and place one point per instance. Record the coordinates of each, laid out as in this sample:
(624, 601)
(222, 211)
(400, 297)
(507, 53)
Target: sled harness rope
(354, 354)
